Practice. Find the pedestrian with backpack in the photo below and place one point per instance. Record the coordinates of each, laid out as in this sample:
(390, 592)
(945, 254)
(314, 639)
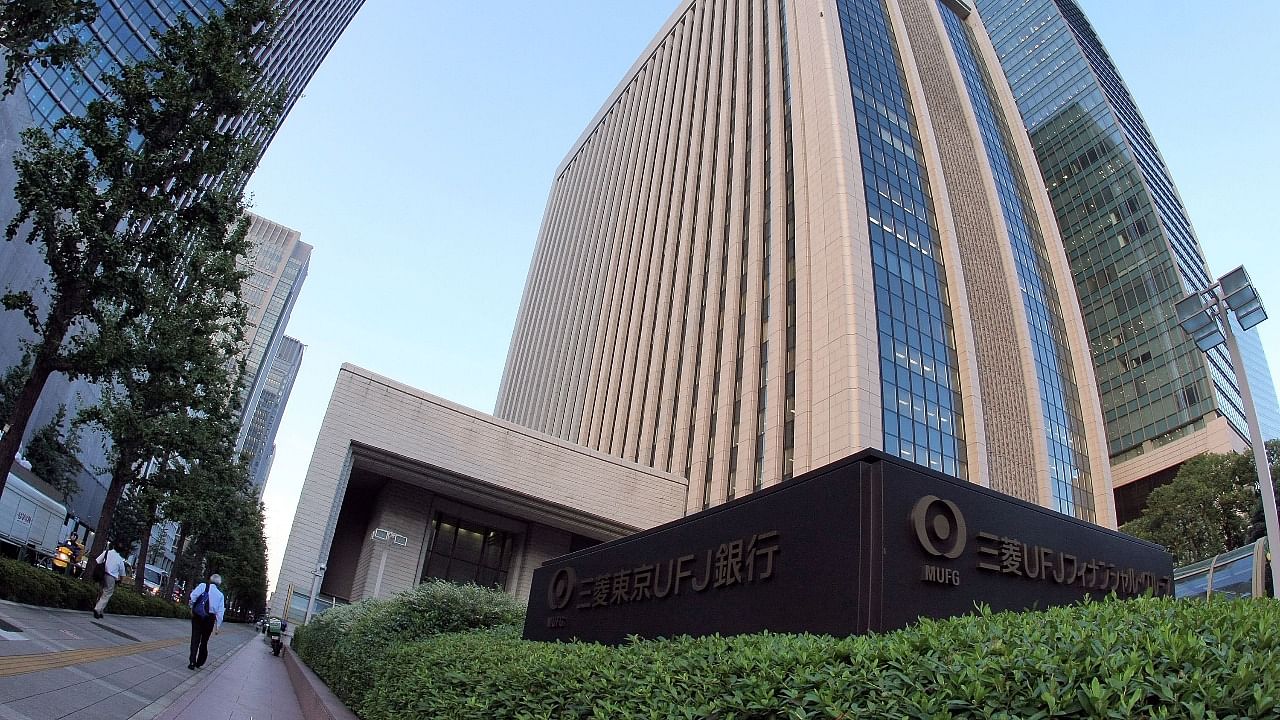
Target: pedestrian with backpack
(207, 608)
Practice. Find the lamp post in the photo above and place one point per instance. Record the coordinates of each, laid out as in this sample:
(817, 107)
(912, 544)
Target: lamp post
(1204, 316)
(390, 538)
(316, 576)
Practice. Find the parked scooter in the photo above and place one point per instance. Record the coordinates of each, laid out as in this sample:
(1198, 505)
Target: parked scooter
(275, 633)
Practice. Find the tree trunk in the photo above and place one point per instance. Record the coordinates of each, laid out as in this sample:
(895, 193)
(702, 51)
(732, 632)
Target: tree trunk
(118, 473)
(140, 571)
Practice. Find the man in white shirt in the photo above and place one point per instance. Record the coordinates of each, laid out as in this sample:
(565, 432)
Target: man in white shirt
(113, 563)
(207, 608)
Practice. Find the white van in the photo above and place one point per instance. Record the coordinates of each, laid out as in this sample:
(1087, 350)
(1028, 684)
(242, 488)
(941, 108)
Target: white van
(30, 517)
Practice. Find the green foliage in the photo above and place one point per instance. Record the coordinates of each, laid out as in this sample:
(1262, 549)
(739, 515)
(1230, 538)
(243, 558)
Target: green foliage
(41, 33)
(11, 385)
(1209, 507)
(1149, 658)
(127, 601)
(20, 582)
(348, 644)
(137, 200)
(52, 453)
(133, 517)
(236, 548)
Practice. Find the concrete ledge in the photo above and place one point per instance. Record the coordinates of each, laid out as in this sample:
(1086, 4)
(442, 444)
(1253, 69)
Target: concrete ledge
(315, 698)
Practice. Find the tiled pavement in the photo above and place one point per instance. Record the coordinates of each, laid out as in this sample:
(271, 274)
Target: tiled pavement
(133, 668)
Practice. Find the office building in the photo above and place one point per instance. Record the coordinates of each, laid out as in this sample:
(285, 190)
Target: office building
(263, 418)
(797, 229)
(277, 266)
(122, 33)
(1132, 250)
(1260, 382)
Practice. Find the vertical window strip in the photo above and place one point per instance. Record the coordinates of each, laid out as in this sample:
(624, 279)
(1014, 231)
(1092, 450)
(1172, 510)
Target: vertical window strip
(789, 363)
(766, 253)
(921, 406)
(735, 433)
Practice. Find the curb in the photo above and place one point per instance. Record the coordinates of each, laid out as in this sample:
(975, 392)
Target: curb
(315, 698)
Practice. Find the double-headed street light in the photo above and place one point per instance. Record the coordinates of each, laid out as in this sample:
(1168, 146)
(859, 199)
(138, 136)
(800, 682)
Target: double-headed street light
(1203, 315)
(391, 538)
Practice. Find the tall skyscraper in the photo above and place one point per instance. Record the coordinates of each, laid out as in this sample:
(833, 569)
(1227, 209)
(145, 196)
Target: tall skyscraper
(1132, 250)
(122, 33)
(788, 236)
(1260, 382)
(278, 263)
(262, 420)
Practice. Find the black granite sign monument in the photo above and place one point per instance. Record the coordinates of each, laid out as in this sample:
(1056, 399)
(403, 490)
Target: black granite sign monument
(868, 543)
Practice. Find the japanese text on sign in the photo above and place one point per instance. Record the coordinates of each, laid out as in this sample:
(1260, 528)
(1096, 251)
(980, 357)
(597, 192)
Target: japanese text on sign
(737, 562)
(1010, 556)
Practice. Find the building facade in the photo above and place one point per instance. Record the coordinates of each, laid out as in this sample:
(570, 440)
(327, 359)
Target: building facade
(1260, 382)
(277, 265)
(263, 418)
(799, 228)
(404, 486)
(122, 34)
(1132, 250)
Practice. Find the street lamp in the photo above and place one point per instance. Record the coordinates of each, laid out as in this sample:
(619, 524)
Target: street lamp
(390, 538)
(1203, 315)
(316, 576)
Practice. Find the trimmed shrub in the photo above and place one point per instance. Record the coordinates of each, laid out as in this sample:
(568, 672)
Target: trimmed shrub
(346, 645)
(127, 601)
(1148, 658)
(24, 583)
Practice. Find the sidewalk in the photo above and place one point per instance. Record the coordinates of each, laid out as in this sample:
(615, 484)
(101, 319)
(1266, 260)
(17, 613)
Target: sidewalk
(252, 685)
(64, 665)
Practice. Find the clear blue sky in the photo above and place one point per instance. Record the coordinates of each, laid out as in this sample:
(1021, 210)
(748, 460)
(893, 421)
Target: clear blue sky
(419, 160)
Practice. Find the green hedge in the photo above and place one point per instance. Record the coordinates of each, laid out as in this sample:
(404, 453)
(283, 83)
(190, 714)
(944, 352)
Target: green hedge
(1148, 658)
(24, 583)
(347, 644)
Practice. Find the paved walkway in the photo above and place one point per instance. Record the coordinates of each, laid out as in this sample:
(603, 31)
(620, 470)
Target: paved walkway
(64, 665)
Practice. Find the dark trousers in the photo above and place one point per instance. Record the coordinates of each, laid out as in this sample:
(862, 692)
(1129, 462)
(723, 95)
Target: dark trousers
(201, 629)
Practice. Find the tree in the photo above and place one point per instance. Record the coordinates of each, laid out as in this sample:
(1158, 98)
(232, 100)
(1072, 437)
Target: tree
(1208, 508)
(178, 407)
(52, 453)
(11, 386)
(116, 196)
(41, 32)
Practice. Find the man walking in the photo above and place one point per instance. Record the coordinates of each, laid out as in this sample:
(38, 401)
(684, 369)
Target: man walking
(113, 566)
(207, 609)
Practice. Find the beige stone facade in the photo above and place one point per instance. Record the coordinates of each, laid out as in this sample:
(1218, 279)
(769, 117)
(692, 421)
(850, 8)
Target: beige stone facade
(392, 457)
(703, 297)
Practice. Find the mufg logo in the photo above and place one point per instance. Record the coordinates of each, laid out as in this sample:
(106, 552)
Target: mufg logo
(941, 531)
